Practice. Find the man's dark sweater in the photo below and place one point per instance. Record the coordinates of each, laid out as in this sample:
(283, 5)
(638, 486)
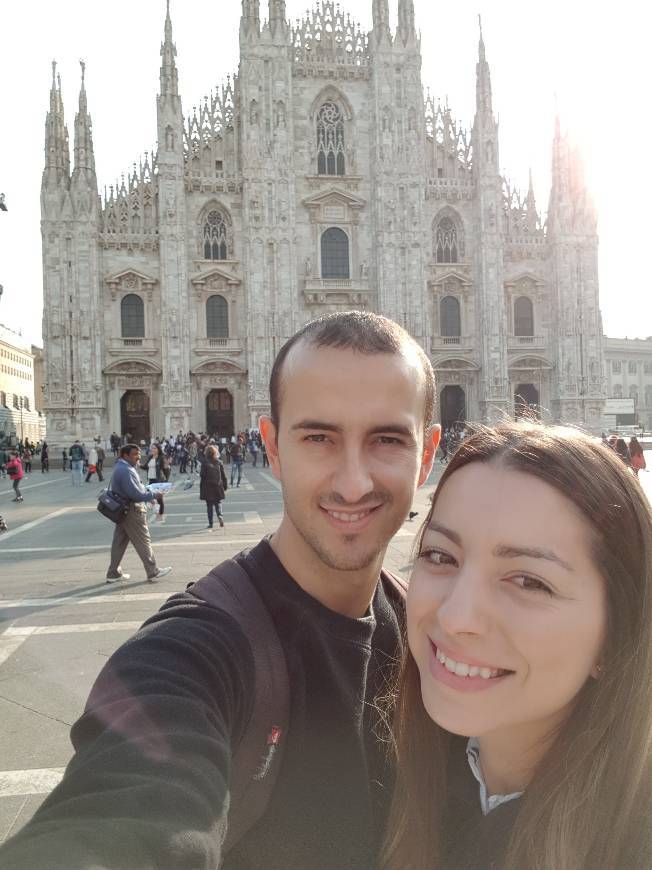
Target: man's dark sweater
(147, 785)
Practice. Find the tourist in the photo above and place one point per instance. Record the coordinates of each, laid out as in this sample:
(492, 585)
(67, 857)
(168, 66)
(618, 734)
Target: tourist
(212, 486)
(192, 456)
(623, 451)
(101, 456)
(15, 470)
(93, 465)
(350, 437)
(133, 529)
(636, 456)
(77, 463)
(237, 461)
(154, 465)
(525, 703)
(45, 458)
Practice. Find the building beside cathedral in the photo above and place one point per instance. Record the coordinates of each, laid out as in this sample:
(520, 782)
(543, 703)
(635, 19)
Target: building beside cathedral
(317, 179)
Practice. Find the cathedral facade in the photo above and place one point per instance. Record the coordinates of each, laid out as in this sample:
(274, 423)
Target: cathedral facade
(318, 179)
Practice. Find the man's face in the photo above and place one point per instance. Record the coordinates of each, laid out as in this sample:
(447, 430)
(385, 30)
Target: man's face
(133, 457)
(349, 451)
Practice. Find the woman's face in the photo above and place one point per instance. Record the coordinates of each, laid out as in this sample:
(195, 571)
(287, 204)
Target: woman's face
(506, 609)
(155, 452)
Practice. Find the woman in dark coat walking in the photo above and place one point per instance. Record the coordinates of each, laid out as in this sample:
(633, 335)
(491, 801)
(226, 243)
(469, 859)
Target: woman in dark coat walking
(212, 485)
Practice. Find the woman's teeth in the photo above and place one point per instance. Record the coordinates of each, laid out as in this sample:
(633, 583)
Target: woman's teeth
(461, 669)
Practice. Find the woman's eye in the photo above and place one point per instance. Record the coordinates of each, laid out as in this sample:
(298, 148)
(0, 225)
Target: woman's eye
(531, 584)
(437, 557)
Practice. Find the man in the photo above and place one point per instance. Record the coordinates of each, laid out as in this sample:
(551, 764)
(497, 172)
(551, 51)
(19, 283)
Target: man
(126, 482)
(237, 461)
(76, 462)
(350, 438)
(101, 456)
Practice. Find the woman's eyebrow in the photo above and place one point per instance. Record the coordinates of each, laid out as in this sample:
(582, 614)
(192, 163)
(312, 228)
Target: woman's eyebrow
(505, 551)
(447, 533)
(511, 551)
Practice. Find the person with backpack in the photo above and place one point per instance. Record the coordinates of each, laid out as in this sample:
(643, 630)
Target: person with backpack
(237, 461)
(242, 725)
(76, 463)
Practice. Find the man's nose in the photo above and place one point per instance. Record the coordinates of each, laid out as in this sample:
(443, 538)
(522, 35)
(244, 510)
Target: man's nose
(352, 478)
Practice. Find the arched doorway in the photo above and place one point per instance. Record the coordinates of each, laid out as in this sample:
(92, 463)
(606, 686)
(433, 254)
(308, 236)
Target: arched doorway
(134, 415)
(219, 414)
(452, 406)
(526, 401)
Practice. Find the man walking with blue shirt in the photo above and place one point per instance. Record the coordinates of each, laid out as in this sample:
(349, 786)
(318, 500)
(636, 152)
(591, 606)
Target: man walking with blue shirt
(126, 482)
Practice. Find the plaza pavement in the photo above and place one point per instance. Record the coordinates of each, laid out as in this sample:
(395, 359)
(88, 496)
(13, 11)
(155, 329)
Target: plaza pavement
(60, 621)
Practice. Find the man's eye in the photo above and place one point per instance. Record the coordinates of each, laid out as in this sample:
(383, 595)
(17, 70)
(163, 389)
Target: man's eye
(437, 557)
(316, 439)
(388, 439)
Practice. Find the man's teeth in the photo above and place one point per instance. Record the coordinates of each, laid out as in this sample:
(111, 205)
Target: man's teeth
(349, 518)
(461, 669)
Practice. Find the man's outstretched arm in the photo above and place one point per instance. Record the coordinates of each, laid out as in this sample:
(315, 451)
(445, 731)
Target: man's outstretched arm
(148, 784)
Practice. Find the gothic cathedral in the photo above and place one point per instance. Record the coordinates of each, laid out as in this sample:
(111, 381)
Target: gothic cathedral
(318, 179)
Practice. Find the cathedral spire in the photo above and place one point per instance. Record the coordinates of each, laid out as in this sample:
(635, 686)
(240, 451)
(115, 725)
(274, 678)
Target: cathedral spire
(276, 14)
(380, 17)
(84, 156)
(250, 19)
(169, 74)
(57, 151)
(406, 30)
(483, 100)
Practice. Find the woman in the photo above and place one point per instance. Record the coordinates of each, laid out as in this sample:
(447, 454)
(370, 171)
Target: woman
(155, 468)
(212, 485)
(93, 465)
(622, 451)
(524, 717)
(15, 470)
(636, 456)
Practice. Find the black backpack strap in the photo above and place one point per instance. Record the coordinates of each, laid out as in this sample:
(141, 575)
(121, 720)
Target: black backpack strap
(257, 759)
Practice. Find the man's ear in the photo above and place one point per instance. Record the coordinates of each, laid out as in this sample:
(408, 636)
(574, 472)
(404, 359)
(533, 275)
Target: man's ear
(270, 437)
(429, 452)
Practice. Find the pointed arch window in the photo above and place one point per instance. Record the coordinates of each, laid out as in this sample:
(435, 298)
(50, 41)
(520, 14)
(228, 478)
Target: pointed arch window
(335, 254)
(450, 317)
(523, 316)
(217, 317)
(330, 139)
(215, 236)
(449, 244)
(132, 316)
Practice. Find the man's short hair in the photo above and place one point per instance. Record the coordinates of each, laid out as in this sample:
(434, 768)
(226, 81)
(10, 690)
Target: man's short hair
(362, 331)
(126, 449)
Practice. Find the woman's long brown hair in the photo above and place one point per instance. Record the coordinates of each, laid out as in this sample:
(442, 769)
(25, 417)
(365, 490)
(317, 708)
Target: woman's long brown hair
(588, 805)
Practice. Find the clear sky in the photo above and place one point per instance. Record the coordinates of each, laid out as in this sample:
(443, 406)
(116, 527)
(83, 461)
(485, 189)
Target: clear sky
(589, 58)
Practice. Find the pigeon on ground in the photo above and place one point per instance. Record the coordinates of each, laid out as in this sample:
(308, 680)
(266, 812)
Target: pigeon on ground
(412, 515)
